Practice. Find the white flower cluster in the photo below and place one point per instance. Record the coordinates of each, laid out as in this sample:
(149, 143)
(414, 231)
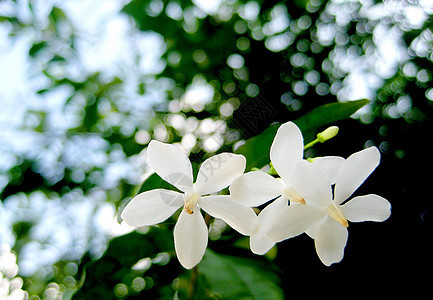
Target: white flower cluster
(308, 197)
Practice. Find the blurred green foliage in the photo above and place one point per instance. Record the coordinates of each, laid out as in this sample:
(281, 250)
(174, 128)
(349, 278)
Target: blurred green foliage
(134, 264)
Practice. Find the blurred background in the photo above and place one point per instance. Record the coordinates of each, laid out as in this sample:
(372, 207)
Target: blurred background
(85, 85)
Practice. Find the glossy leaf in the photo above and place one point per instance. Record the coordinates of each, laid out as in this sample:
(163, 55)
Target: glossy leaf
(256, 149)
(233, 277)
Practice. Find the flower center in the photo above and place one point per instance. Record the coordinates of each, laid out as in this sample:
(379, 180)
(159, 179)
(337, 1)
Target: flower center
(293, 196)
(336, 213)
(190, 201)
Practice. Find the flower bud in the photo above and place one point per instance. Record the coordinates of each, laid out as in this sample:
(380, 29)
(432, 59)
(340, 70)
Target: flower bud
(327, 134)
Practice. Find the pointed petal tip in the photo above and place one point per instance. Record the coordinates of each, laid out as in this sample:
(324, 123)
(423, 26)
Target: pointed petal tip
(155, 144)
(286, 149)
(255, 188)
(187, 265)
(260, 244)
(354, 171)
(171, 164)
(218, 172)
(240, 217)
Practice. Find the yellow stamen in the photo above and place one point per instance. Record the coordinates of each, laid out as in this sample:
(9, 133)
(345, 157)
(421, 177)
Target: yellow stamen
(190, 200)
(336, 213)
(293, 196)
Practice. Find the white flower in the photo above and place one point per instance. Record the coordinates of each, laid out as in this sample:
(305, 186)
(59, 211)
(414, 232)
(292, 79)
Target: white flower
(325, 216)
(257, 187)
(190, 231)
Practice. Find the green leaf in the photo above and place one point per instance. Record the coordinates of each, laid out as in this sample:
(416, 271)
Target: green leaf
(327, 114)
(154, 182)
(256, 149)
(234, 277)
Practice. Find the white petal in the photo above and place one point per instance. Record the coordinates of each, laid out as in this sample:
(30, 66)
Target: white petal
(151, 207)
(367, 208)
(294, 220)
(239, 217)
(286, 149)
(255, 188)
(331, 164)
(171, 164)
(259, 242)
(330, 241)
(311, 231)
(354, 171)
(190, 238)
(218, 172)
(312, 183)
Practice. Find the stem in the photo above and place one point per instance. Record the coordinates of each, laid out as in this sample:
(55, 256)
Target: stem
(192, 282)
(311, 144)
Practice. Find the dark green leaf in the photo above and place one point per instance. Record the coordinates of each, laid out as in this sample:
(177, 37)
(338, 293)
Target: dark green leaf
(155, 182)
(233, 277)
(326, 115)
(256, 149)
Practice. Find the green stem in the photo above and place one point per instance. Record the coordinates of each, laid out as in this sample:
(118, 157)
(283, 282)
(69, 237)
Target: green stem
(311, 144)
(192, 282)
